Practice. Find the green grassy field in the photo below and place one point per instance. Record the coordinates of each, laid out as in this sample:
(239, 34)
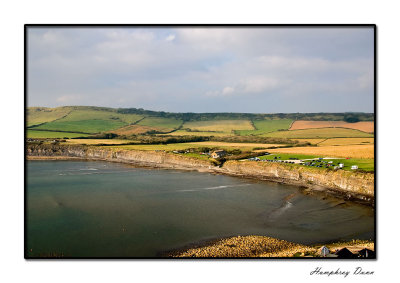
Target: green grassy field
(91, 120)
(48, 134)
(319, 133)
(267, 126)
(197, 155)
(164, 124)
(39, 115)
(285, 156)
(81, 120)
(219, 125)
(89, 114)
(84, 126)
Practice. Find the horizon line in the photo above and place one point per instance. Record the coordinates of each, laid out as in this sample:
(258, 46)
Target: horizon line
(327, 112)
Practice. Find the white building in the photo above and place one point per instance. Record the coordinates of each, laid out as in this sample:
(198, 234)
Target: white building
(324, 251)
(218, 153)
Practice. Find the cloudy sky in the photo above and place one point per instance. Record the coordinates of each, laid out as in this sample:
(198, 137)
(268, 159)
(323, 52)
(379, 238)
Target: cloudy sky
(185, 69)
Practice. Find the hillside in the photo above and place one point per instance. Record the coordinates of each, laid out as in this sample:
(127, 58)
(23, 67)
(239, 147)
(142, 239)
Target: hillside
(87, 121)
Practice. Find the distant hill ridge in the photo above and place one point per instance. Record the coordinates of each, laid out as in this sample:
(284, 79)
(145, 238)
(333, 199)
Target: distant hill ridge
(191, 116)
(83, 121)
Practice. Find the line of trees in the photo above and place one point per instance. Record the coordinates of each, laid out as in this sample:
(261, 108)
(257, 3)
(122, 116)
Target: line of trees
(350, 116)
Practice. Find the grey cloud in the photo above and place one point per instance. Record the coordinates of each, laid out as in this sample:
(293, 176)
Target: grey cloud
(203, 69)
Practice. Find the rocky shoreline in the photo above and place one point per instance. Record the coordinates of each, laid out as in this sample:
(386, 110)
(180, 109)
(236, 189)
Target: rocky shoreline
(352, 186)
(260, 246)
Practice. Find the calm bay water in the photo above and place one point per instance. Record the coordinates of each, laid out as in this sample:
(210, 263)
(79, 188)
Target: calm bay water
(99, 209)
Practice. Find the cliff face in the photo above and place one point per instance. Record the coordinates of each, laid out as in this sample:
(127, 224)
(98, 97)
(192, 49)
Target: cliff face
(146, 158)
(360, 185)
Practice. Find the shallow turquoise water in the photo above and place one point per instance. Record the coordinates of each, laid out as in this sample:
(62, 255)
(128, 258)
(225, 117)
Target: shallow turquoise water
(99, 209)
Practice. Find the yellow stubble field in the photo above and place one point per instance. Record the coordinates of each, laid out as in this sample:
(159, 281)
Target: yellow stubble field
(365, 126)
(350, 151)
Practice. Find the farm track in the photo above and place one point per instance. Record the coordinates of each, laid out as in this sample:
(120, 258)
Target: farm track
(291, 125)
(321, 141)
(174, 130)
(135, 123)
(252, 123)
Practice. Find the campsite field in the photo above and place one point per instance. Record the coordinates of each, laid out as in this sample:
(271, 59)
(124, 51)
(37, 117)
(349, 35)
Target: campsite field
(319, 133)
(219, 125)
(366, 164)
(267, 126)
(365, 126)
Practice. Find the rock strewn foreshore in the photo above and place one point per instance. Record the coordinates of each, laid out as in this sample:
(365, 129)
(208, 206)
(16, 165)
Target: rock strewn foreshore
(344, 184)
(244, 246)
(261, 246)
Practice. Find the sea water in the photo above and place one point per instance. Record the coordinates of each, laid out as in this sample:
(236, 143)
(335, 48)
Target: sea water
(101, 209)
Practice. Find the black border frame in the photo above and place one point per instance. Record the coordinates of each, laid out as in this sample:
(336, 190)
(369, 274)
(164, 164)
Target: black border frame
(27, 26)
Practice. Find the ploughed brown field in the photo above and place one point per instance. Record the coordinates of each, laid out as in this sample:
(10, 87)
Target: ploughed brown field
(366, 126)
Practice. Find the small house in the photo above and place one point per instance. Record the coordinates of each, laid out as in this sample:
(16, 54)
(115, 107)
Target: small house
(218, 153)
(366, 253)
(324, 251)
(344, 253)
(354, 167)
